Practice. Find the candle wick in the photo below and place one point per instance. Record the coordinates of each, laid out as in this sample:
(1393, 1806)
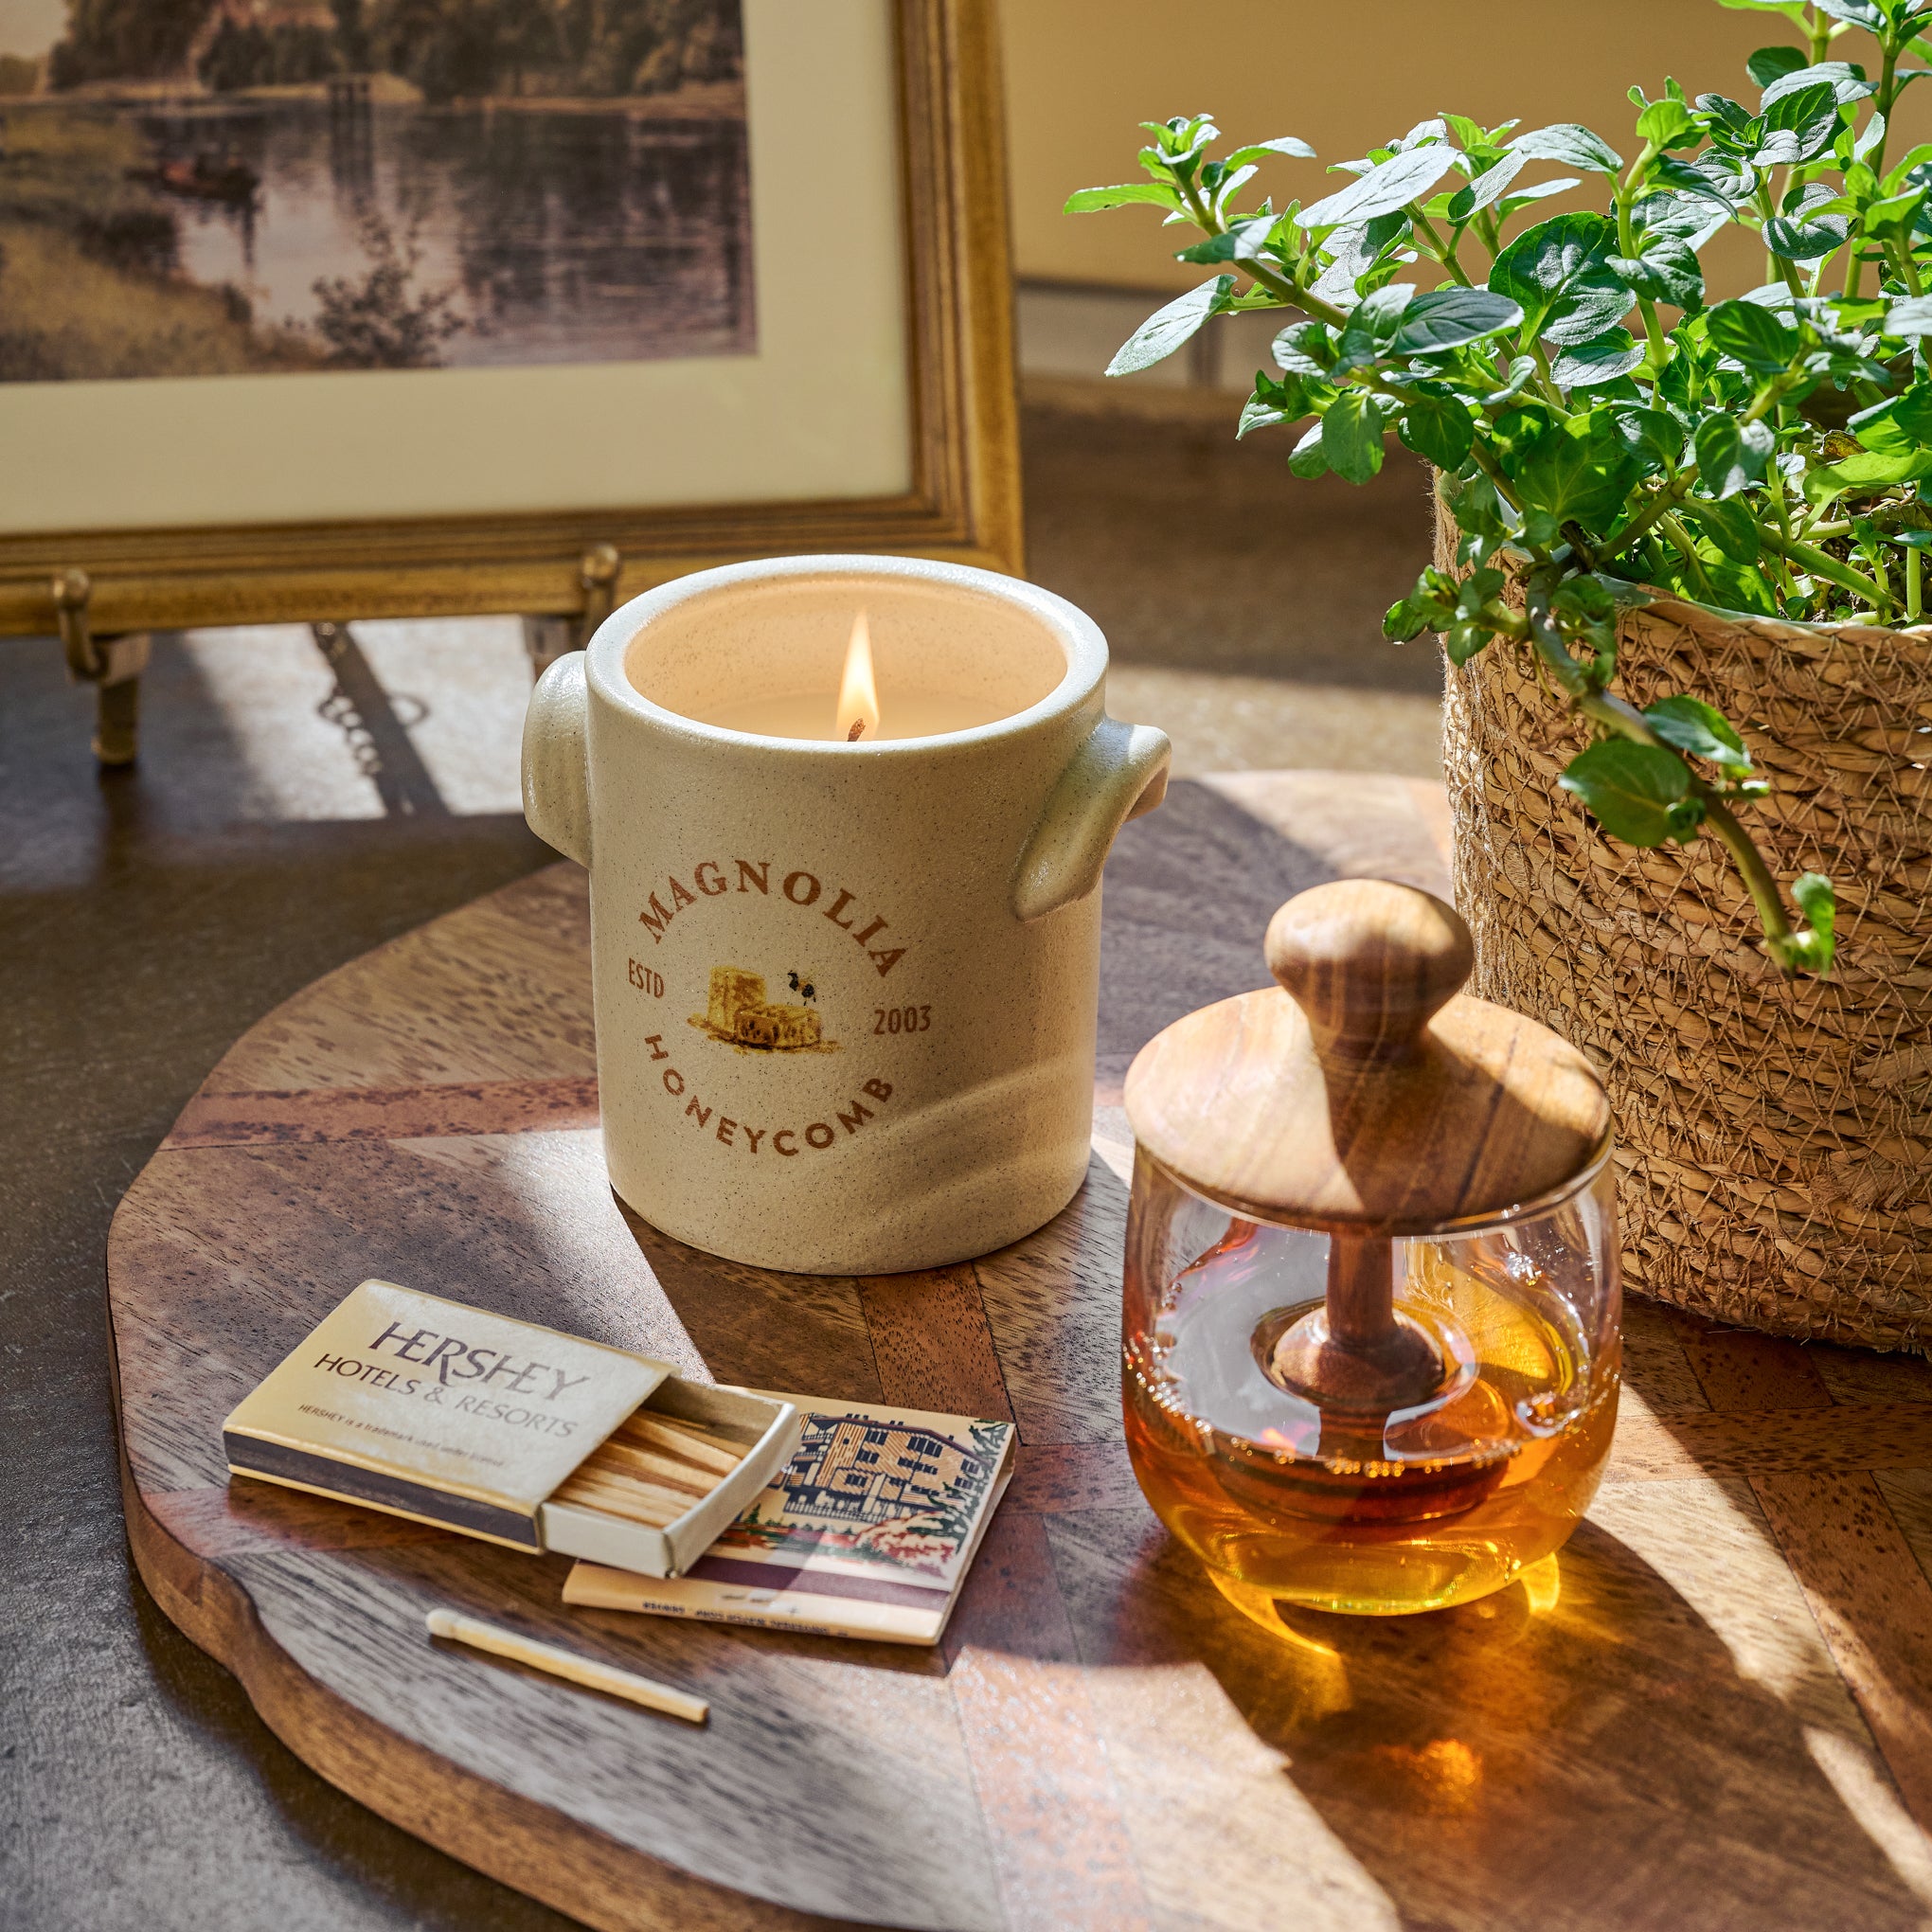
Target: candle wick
(857, 731)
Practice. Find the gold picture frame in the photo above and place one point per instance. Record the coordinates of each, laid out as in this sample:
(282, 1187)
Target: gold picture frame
(962, 505)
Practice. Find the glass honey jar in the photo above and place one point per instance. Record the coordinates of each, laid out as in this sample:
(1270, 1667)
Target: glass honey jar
(1371, 1325)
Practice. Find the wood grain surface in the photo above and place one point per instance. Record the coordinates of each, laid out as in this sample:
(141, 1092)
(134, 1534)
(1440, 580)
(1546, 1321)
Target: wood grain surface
(1709, 1711)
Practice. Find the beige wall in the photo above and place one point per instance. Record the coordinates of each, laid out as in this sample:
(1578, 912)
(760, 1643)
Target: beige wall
(1344, 76)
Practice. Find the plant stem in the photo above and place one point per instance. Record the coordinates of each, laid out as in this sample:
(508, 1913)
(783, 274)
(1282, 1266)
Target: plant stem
(1615, 716)
(1659, 506)
(1821, 563)
(1286, 287)
(1626, 241)
(1444, 252)
(1787, 270)
(1881, 104)
(1754, 871)
(1673, 527)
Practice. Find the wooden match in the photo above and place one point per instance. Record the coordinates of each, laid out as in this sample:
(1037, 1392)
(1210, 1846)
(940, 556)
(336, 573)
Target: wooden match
(567, 1665)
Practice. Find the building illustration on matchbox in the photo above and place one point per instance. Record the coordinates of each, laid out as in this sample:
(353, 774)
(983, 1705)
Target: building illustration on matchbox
(738, 1013)
(861, 1470)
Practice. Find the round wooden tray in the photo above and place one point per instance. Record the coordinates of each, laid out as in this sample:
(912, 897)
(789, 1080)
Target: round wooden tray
(1658, 1732)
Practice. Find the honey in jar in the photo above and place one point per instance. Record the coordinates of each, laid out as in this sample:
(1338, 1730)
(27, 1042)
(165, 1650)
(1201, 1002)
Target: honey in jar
(1369, 1349)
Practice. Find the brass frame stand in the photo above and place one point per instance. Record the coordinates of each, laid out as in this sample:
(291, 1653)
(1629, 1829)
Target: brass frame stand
(113, 664)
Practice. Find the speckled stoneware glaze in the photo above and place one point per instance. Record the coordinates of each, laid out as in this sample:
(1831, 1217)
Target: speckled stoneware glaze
(844, 992)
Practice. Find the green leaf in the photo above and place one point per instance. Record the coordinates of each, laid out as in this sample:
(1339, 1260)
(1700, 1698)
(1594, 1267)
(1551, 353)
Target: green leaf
(1900, 422)
(1559, 274)
(1752, 334)
(1285, 144)
(1867, 472)
(1700, 729)
(1772, 63)
(1462, 641)
(1446, 318)
(1587, 613)
(1439, 430)
(1487, 185)
(1404, 621)
(1892, 219)
(1630, 787)
(1796, 125)
(1710, 177)
(1910, 317)
(1797, 239)
(1352, 435)
(1686, 218)
(1580, 471)
(1732, 455)
(1847, 83)
(1476, 508)
(1242, 243)
(1714, 581)
(1090, 200)
(1540, 191)
(1812, 951)
(1654, 436)
(1389, 185)
(1614, 353)
(1905, 169)
(1305, 348)
(1258, 414)
(1570, 146)
(1668, 123)
(1521, 373)
(1667, 271)
(1309, 457)
(1364, 339)
(1730, 525)
(1858, 13)
(1168, 329)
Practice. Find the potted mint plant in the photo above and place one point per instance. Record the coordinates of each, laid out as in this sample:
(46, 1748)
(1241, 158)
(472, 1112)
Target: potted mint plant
(1680, 582)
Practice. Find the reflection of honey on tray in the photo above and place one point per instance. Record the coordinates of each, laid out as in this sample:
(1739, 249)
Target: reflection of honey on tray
(739, 1016)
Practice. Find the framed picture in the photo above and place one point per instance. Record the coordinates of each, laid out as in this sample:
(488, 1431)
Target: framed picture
(321, 309)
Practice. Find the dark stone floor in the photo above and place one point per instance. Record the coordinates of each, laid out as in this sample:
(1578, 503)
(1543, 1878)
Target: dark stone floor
(146, 919)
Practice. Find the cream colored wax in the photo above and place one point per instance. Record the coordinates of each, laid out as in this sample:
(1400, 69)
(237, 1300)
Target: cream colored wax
(814, 714)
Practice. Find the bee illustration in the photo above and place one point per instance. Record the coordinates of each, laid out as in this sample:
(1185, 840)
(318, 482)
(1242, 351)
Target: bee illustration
(803, 987)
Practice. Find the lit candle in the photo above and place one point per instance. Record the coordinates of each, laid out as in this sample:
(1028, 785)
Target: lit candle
(856, 712)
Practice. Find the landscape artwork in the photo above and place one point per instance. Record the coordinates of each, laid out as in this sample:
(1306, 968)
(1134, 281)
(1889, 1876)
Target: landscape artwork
(203, 187)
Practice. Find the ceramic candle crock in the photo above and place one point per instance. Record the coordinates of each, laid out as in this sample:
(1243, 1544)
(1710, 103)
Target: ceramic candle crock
(844, 992)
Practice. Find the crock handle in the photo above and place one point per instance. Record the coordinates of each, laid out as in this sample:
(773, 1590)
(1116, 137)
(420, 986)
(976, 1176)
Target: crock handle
(556, 772)
(1118, 773)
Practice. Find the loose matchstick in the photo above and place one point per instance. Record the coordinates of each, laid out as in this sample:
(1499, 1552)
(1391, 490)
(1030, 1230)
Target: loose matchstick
(567, 1665)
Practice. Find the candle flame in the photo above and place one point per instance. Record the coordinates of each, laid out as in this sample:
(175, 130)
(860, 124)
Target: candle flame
(858, 695)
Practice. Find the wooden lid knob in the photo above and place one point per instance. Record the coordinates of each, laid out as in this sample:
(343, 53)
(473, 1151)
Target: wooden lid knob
(1366, 1095)
(1370, 964)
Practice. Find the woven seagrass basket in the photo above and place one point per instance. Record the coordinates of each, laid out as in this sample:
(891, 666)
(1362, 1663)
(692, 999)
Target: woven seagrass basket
(1774, 1138)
